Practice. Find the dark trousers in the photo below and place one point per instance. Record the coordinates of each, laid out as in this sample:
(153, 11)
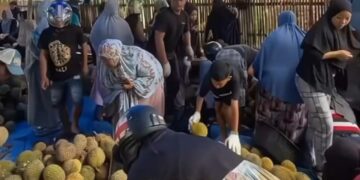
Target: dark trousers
(172, 85)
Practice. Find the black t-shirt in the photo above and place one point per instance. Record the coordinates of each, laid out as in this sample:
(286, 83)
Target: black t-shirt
(62, 44)
(171, 155)
(230, 91)
(172, 25)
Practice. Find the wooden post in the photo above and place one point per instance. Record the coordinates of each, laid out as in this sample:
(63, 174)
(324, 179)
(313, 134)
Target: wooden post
(311, 13)
(30, 9)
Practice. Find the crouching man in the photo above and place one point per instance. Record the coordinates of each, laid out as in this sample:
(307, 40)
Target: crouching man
(227, 84)
(149, 150)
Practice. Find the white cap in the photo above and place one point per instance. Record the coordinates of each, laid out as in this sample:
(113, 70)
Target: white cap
(12, 59)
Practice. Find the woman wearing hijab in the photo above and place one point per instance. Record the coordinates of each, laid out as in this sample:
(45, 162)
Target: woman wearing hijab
(109, 25)
(327, 48)
(9, 29)
(130, 76)
(136, 26)
(40, 115)
(279, 103)
(223, 24)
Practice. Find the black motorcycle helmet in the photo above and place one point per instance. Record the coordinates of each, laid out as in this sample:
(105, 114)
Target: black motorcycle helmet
(126, 151)
(143, 120)
(211, 49)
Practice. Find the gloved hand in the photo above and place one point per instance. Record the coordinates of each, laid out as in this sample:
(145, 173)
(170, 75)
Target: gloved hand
(190, 52)
(194, 119)
(187, 62)
(166, 69)
(233, 142)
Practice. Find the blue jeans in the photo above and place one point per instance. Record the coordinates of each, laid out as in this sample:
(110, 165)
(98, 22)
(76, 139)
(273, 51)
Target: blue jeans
(72, 87)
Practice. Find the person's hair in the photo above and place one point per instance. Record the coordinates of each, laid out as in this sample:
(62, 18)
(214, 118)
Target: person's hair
(14, 3)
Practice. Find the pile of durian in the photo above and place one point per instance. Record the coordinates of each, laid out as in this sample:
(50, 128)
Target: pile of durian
(285, 171)
(85, 158)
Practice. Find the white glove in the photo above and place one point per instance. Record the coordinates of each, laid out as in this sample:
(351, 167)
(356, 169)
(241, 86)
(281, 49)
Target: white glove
(194, 119)
(166, 69)
(186, 61)
(190, 52)
(233, 142)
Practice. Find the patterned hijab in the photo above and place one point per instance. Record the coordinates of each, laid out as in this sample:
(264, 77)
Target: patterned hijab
(136, 65)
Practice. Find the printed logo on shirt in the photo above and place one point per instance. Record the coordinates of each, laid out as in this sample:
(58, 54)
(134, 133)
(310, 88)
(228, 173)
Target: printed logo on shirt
(60, 55)
(223, 94)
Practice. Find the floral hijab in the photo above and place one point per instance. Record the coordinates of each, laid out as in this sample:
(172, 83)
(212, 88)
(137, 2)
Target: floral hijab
(136, 65)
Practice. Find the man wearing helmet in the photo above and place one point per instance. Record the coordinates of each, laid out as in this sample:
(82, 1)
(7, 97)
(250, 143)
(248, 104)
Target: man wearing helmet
(149, 150)
(60, 65)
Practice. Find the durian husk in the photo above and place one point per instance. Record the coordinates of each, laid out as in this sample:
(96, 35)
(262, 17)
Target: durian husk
(33, 170)
(72, 166)
(88, 172)
(53, 172)
(119, 175)
(96, 157)
(75, 176)
(4, 135)
(80, 141)
(65, 151)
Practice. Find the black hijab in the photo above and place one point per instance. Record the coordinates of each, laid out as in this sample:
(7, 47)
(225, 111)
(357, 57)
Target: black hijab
(324, 37)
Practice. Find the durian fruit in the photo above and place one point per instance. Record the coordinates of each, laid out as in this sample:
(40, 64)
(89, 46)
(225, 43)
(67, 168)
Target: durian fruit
(65, 151)
(256, 151)
(107, 144)
(4, 135)
(49, 159)
(119, 175)
(14, 177)
(290, 165)
(75, 176)
(244, 152)
(88, 172)
(80, 141)
(6, 168)
(91, 144)
(101, 173)
(72, 166)
(81, 155)
(246, 146)
(50, 150)
(96, 157)
(199, 129)
(25, 158)
(7, 165)
(267, 163)
(33, 170)
(59, 142)
(53, 172)
(40, 146)
(254, 158)
(38, 153)
(100, 137)
(302, 176)
(282, 173)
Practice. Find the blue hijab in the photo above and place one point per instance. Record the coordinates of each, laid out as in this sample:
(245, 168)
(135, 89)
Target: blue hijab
(275, 65)
(355, 20)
